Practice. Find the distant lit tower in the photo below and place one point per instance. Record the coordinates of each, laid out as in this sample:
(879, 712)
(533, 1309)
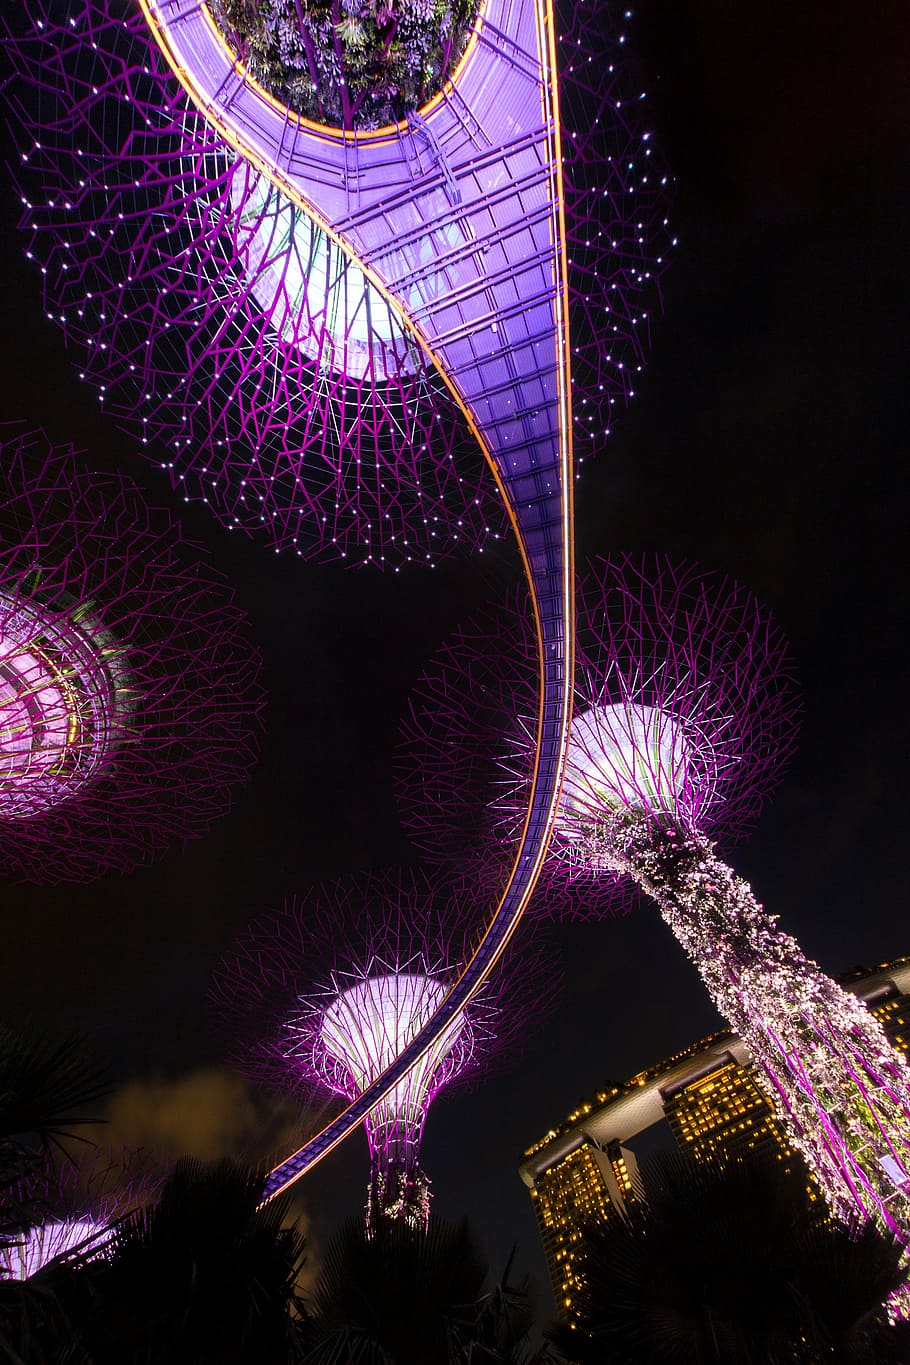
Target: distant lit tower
(684, 717)
(129, 691)
(326, 993)
(509, 179)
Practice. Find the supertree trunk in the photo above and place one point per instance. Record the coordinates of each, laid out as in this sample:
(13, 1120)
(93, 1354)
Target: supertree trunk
(840, 1087)
(399, 1192)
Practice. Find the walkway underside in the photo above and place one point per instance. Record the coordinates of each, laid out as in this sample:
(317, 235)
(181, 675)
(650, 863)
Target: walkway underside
(456, 217)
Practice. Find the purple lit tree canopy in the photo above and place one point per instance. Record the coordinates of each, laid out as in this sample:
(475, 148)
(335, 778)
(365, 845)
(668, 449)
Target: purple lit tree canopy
(685, 713)
(73, 1206)
(129, 692)
(46, 1241)
(464, 750)
(324, 995)
(255, 362)
(189, 226)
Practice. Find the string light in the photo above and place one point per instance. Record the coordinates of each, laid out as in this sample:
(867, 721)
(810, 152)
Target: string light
(685, 715)
(226, 332)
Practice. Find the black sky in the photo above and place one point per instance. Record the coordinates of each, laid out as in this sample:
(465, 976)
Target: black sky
(767, 440)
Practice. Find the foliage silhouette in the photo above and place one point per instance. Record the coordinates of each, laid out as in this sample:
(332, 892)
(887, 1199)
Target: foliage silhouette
(206, 1276)
(414, 1297)
(48, 1088)
(736, 1265)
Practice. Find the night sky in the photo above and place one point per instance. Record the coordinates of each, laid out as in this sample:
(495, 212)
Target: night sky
(767, 440)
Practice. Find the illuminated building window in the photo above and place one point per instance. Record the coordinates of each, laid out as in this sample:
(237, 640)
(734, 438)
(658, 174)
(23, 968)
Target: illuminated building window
(711, 1098)
(587, 1185)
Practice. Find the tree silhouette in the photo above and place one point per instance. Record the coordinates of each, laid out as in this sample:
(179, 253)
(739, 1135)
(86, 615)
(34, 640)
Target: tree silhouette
(48, 1088)
(735, 1265)
(206, 1276)
(406, 1296)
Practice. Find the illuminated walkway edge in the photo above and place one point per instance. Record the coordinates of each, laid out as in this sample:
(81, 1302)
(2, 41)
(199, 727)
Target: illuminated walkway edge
(457, 218)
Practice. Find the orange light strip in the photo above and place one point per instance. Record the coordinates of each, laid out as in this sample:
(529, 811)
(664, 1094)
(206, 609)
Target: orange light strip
(550, 102)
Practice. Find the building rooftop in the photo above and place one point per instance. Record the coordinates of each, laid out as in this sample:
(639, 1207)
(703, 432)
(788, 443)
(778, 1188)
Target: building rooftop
(620, 1110)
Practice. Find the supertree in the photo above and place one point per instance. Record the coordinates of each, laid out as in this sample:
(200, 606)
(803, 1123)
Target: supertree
(324, 994)
(253, 358)
(73, 1207)
(685, 715)
(456, 215)
(129, 690)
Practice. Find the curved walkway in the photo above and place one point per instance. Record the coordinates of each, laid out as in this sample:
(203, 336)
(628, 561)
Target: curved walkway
(457, 217)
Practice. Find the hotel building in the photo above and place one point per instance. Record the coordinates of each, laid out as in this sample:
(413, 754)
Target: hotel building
(714, 1106)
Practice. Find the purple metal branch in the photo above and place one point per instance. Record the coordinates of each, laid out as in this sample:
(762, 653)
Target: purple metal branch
(457, 221)
(241, 345)
(685, 716)
(129, 691)
(323, 995)
(233, 338)
(655, 640)
(74, 1205)
(475, 324)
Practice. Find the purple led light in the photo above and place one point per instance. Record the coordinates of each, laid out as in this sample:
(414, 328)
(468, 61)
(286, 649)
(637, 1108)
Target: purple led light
(42, 1244)
(129, 694)
(75, 1207)
(254, 362)
(685, 715)
(360, 1032)
(330, 991)
(459, 216)
(60, 686)
(666, 718)
(366, 1026)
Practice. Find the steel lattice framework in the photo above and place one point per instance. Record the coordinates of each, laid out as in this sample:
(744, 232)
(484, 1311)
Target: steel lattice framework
(74, 1205)
(325, 994)
(256, 360)
(457, 219)
(482, 218)
(685, 715)
(129, 691)
(466, 744)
